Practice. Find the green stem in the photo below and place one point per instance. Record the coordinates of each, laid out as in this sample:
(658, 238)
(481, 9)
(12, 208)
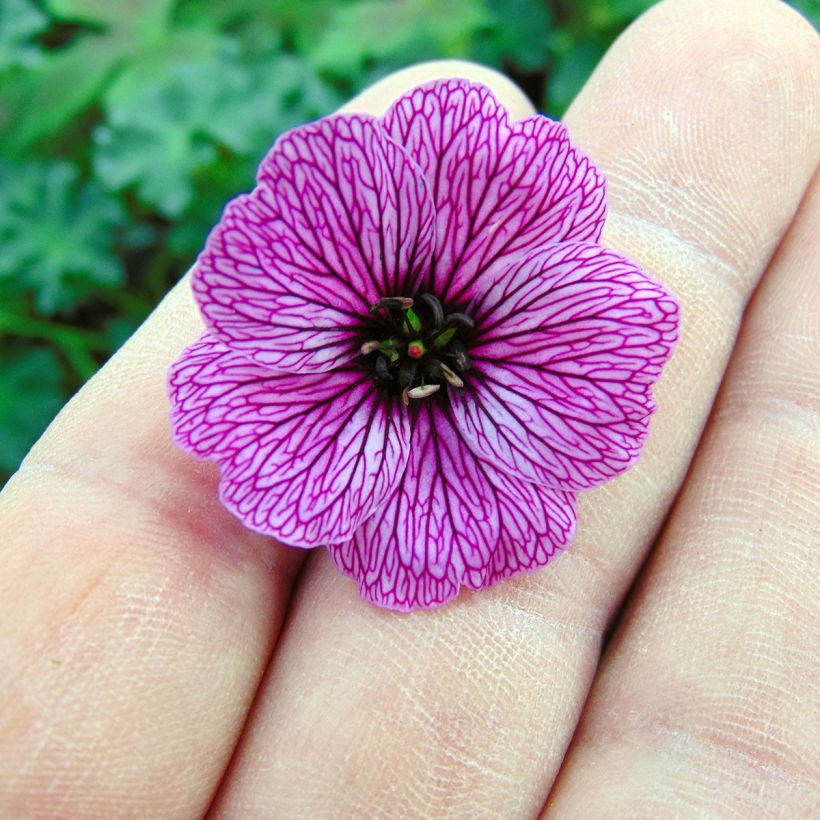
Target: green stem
(62, 335)
(81, 360)
(74, 342)
(156, 275)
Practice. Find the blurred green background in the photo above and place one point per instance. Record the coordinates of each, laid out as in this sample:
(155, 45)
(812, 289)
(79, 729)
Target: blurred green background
(125, 125)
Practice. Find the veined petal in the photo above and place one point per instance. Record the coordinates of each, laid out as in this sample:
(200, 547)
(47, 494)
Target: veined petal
(340, 218)
(537, 524)
(499, 188)
(570, 342)
(305, 458)
(453, 520)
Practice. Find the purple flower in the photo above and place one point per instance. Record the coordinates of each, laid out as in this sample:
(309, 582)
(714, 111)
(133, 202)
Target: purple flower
(417, 350)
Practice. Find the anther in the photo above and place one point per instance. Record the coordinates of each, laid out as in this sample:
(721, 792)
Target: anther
(435, 308)
(407, 373)
(423, 391)
(460, 320)
(451, 377)
(432, 370)
(369, 347)
(459, 354)
(381, 370)
(391, 303)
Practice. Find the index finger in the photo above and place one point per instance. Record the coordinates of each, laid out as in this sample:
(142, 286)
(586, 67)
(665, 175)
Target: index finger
(136, 614)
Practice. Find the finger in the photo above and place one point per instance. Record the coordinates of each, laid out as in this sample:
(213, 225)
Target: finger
(708, 695)
(469, 709)
(136, 615)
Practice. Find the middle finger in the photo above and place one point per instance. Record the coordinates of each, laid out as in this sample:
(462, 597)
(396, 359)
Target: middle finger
(364, 710)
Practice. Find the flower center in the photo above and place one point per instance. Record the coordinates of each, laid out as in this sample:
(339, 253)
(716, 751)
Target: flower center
(414, 347)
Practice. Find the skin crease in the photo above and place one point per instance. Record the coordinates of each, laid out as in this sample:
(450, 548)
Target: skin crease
(138, 620)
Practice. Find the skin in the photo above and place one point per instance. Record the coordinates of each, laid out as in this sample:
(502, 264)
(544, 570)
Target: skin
(158, 660)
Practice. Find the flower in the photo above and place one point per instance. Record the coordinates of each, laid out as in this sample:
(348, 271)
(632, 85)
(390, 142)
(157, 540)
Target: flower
(417, 351)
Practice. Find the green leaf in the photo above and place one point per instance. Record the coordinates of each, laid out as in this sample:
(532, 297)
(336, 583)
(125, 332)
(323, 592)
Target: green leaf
(285, 94)
(396, 30)
(810, 9)
(518, 35)
(607, 14)
(130, 15)
(20, 22)
(38, 104)
(57, 234)
(119, 330)
(159, 158)
(570, 73)
(30, 396)
(166, 137)
(303, 24)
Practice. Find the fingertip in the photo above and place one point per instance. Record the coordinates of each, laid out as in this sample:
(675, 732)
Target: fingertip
(378, 97)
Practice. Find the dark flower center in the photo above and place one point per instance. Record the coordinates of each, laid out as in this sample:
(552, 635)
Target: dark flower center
(414, 346)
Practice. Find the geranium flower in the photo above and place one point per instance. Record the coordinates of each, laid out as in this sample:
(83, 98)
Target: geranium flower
(417, 351)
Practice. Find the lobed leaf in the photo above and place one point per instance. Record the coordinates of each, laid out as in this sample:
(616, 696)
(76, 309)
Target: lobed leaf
(58, 234)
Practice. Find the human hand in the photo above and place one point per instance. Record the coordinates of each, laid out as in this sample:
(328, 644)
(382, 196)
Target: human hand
(157, 659)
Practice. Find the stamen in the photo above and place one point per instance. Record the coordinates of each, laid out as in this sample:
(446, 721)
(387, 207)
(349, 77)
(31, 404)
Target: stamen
(381, 370)
(460, 320)
(423, 391)
(422, 349)
(452, 377)
(459, 354)
(435, 308)
(432, 370)
(392, 303)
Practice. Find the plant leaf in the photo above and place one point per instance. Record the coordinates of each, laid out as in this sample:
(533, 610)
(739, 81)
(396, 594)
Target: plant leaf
(30, 396)
(398, 30)
(20, 22)
(518, 35)
(145, 15)
(57, 234)
(205, 112)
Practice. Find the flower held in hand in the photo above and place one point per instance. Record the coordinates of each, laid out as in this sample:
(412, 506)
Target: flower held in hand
(417, 351)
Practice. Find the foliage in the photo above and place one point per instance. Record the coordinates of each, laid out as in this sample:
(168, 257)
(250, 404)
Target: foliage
(125, 125)
(29, 396)
(57, 234)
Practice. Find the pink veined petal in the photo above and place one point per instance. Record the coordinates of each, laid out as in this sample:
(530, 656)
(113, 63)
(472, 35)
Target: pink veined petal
(305, 458)
(499, 188)
(340, 218)
(453, 520)
(570, 342)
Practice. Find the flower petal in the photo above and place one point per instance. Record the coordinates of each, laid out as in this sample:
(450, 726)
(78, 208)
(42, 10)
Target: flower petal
(499, 188)
(453, 520)
(340, 218)
(571, 341)
(304, 457)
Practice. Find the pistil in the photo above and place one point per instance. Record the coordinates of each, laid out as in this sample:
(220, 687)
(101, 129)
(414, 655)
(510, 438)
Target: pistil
(416, 349)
